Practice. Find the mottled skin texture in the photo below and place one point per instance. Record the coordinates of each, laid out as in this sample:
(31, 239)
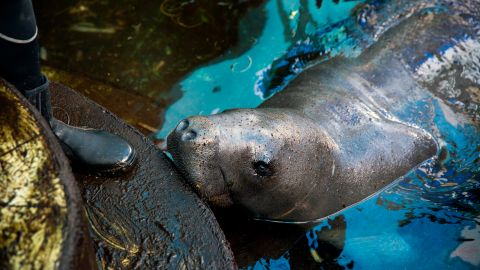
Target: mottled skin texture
(327, 141)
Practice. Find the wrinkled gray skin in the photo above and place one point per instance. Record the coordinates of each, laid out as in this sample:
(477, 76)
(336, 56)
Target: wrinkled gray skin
(327, 141)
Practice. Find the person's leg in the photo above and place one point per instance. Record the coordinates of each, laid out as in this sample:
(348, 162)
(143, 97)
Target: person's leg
(19, 64)
(19, 53)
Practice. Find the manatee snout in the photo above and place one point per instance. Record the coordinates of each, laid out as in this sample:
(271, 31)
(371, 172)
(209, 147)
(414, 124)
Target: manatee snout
(193, 145)
(191, 133)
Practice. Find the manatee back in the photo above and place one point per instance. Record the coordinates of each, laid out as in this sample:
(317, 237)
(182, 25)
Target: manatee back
(377, 157)
(393, 64)
(366, 163)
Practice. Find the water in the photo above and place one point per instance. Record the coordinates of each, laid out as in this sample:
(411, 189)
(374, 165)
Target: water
(234, 82)
(430, 220)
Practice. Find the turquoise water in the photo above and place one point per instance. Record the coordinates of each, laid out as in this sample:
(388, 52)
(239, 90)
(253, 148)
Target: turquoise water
(430, 220)
(233, 83)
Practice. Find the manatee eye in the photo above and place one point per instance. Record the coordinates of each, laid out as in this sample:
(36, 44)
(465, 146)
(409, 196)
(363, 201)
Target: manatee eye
(262, 168)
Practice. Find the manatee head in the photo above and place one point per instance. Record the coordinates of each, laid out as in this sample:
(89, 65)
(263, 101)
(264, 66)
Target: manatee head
(268, 161)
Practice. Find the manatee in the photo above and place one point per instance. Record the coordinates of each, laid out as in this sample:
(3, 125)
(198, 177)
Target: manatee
(333, 137)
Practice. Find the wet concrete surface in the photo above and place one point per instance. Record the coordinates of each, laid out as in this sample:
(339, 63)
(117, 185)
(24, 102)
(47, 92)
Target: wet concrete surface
(147, 218)
(137, 110)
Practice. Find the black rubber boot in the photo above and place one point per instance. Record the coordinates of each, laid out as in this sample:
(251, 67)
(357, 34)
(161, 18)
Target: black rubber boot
(39, 97)
(96, 150)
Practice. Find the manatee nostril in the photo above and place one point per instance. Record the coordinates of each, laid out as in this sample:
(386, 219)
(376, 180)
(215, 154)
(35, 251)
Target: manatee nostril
(183, 125)
(189, 135)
